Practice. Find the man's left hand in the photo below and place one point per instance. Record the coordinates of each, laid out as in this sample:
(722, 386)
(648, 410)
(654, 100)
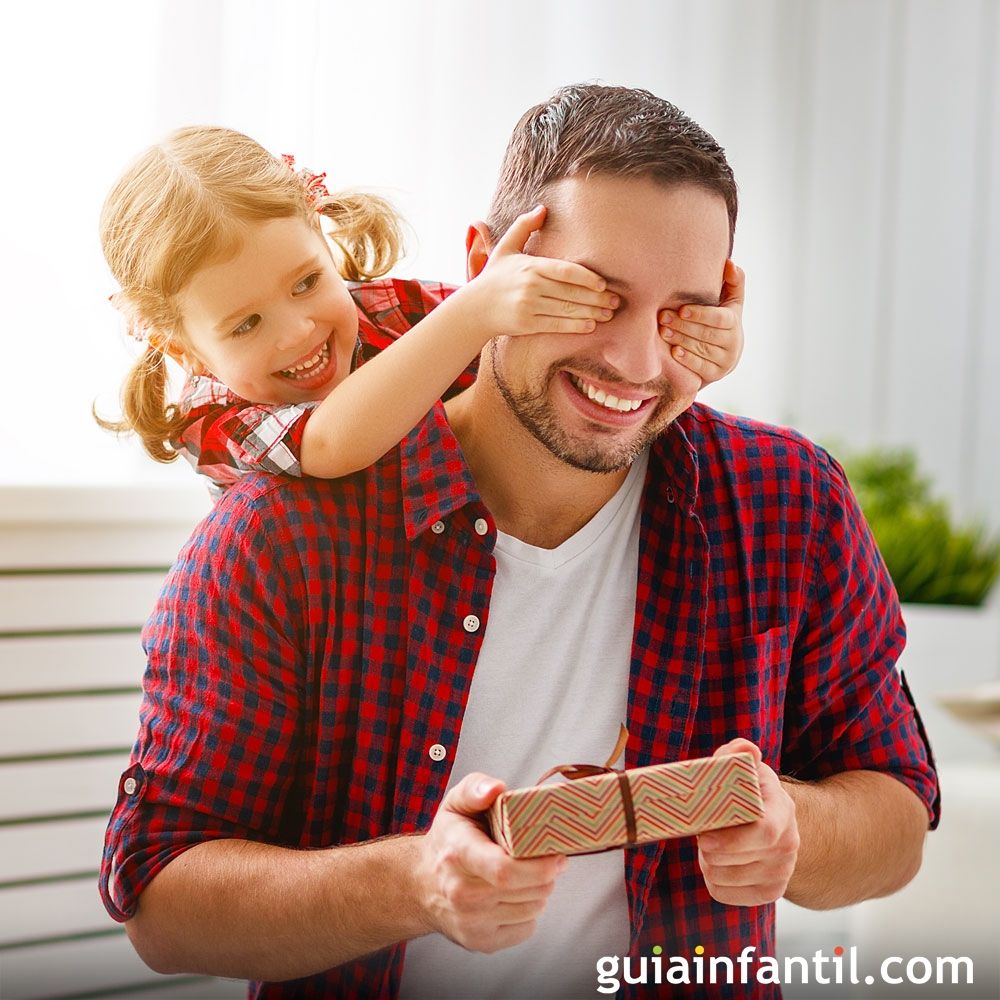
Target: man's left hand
(751, 864)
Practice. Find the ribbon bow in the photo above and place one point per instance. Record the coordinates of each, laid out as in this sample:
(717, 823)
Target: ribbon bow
(574, 771)
(313, 184)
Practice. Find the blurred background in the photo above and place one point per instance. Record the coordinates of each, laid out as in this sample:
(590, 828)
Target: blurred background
(863, 134)
(864, 137)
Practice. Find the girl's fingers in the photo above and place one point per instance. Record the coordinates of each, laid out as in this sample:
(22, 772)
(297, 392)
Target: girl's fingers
(553, 324)
(702, 343)
(734, 283)
(569, 273)
(568, 292)
(559, 298)
(549, 324)
(707, 370)
(521, 228)
(711, 318)
(565, 308)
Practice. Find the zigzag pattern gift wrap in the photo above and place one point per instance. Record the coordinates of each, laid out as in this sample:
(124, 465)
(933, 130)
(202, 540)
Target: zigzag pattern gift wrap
(591, 813)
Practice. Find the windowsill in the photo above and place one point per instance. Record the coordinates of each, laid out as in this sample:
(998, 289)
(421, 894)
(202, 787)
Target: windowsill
(184, 503)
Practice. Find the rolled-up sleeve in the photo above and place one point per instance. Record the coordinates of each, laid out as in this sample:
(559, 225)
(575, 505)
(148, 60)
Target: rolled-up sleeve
(219, 723)
(847, 706)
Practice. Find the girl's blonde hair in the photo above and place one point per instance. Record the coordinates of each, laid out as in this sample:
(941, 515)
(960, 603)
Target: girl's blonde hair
(184, 204)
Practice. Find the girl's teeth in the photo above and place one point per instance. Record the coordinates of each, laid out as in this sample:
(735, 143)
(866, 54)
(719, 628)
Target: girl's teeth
(308, 366)
(607, 401)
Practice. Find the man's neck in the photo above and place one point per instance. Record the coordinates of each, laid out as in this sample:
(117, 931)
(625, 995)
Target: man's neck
(531, 494)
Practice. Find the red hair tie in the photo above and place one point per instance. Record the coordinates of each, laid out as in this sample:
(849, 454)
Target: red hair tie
(311, 183)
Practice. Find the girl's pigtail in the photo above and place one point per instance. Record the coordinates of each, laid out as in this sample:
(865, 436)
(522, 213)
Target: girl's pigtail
(145, 410)
(366, 230)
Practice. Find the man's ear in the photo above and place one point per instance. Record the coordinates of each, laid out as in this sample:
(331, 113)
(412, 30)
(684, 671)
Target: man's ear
(478, 247)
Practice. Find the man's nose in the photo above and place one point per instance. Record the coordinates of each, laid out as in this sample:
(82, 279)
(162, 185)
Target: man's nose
(634, 348)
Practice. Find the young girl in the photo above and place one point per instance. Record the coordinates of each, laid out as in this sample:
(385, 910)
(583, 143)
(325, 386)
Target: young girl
(223, 265)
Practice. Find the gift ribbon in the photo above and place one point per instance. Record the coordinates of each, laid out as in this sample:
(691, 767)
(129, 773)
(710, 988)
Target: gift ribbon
(573, 771)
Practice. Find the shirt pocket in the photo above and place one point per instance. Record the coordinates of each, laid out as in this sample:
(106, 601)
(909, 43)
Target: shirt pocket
(742, 692)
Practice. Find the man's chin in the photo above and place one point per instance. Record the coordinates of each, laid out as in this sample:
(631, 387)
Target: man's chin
(603, 452)
(598, 448)
(603, 448)
(588, 457)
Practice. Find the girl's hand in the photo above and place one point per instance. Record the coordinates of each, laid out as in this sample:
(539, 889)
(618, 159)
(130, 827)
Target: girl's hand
(528, 294)
(708, 340)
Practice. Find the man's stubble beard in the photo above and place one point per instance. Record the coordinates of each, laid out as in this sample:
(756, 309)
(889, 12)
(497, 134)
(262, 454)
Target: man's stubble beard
(537, 415)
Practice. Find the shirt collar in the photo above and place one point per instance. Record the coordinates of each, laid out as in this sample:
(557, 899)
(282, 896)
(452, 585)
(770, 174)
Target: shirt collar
(437, 481)
(675, 461)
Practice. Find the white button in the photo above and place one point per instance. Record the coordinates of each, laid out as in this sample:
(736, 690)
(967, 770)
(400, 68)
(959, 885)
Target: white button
(437, 752)
(481, 526)
(437, 527)
(129, 786)
(471, 623)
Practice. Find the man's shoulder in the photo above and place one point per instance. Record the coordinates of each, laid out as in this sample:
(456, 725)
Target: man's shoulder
(718, 437)
(752, 464)
(262, 510)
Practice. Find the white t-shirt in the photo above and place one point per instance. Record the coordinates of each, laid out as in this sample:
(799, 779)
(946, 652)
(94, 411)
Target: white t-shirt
(550, 687)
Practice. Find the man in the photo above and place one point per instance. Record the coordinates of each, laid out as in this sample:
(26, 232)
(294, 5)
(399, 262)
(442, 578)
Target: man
(566, 543)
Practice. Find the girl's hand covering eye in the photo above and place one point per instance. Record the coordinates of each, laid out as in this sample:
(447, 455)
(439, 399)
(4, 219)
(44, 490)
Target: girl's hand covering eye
(527, 294)
(708, 340)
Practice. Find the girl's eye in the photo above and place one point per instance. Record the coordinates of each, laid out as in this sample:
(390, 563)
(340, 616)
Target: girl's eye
(247, 326)
(307, 284)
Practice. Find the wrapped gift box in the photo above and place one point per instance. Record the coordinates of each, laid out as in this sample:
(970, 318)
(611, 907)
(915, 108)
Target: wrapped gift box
(595, 813)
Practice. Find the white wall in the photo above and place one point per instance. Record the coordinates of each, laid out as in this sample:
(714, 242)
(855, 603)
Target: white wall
(900, 187)
(863, 133)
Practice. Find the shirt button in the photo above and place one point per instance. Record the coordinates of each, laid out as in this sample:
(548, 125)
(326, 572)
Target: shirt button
(481, 526)
(437, 752)
(471, 623)
(437, 527)
(129, 786)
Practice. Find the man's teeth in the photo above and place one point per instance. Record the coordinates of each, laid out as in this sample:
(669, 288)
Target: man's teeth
(605, 399)
(306, 368)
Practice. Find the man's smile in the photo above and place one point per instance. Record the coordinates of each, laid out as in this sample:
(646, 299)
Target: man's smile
(617, 399)
(617, 406)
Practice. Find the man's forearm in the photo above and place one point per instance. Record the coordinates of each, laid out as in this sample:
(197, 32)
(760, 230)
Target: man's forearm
(254, 911)
(862, 836)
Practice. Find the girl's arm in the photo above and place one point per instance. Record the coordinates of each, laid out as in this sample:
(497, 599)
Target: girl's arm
(378, 404)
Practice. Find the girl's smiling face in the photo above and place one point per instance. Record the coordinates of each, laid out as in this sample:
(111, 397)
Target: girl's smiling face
(276, 322)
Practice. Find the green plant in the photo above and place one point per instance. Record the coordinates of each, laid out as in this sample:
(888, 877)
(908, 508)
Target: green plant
(931, 559)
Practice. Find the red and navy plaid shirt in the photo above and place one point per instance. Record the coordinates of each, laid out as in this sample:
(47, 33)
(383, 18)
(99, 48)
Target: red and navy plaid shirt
(226, 436)
(308, 650)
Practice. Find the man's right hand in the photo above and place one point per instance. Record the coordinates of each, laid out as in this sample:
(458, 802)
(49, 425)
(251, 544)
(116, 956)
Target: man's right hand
(471, 890)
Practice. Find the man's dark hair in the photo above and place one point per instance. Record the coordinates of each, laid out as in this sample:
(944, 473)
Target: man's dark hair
(617, 131)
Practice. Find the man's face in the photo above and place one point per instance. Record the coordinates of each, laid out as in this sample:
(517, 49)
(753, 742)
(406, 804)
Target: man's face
(658, 247)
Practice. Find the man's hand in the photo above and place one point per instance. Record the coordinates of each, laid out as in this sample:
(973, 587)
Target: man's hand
(472, 891)
(751, 864)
